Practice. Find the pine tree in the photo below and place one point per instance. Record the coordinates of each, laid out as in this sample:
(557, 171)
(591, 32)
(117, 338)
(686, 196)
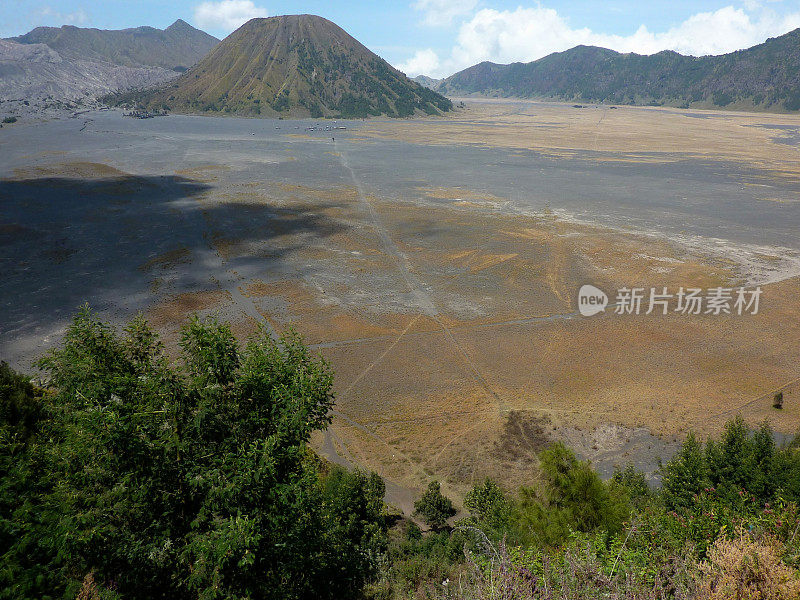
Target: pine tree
(434, 507)
(685, 475)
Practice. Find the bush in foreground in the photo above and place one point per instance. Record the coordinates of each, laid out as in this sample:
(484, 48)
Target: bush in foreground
(195, 481)
(128, 476)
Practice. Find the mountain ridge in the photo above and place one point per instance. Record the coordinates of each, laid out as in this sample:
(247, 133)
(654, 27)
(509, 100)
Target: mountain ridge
(177, 47)
(35, 80)
(765, 76)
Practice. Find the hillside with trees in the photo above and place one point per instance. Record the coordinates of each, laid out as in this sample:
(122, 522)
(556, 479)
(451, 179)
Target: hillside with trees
(764, 77)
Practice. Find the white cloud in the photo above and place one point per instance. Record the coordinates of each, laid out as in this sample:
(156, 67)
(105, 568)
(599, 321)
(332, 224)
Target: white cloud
(79, 17)
(440, 13)
(226, 15)
(422, 63)
(527, 34)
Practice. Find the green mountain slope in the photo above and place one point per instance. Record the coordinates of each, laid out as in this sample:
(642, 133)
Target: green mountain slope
(177, 47)
(766, 76)
(294, 65)
(428, 82)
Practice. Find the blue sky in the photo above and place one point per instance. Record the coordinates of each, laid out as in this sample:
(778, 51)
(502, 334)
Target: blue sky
(439, 37)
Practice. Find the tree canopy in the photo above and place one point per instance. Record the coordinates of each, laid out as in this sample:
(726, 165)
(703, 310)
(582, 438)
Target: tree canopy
(179, 481)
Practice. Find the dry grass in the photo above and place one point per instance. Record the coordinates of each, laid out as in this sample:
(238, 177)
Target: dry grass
(72, 170)
(628, 134)
(166, 260)
(174, 310)
(426, 395)
(747, 569)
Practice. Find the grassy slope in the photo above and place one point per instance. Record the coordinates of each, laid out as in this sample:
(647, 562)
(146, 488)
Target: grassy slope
(300, 64)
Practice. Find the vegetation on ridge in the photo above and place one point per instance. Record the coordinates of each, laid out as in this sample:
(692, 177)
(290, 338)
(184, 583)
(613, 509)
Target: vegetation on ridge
(766, 76)
(293, 65)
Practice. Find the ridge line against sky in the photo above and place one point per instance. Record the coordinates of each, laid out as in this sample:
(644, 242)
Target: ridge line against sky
(440, 37)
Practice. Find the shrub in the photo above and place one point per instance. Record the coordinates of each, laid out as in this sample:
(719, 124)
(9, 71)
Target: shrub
(488, 505)
(183, 482)
(633, 482)
(10, 120)
(434, 507)
(577, 573)
(744, 569)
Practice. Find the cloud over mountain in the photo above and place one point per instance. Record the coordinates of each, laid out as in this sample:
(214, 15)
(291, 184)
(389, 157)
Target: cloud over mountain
(226, 15)
(529, 33)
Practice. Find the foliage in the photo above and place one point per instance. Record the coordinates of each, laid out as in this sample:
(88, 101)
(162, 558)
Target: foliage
(128, 476)
(579, 572)
(416, 564)
(685, 475)
(572, 497)
(573, 536)
(434, 507)
(739, 460)
(744, 568)
(633, 482)
(488, 505)
(190, 482)
(21, 405)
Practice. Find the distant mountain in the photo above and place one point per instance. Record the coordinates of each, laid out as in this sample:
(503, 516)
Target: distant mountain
(294, 65)
(765, 77)
(428, 82)
(177, 47)
(34, 77)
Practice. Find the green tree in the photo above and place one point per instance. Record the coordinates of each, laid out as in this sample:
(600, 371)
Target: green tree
(685, 475)
(190, 481)
(21, 405)
(761, 464)
(24, 476)
(574, 486)
(355, 527)
(727, 458)
(487, 504)
(434, 507)
(633, 482)
(572, 497)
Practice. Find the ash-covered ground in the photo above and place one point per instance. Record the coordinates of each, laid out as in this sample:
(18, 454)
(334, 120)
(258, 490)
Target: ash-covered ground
(436, 264)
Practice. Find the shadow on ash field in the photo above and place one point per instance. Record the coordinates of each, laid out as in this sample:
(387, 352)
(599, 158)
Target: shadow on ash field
(438, 278)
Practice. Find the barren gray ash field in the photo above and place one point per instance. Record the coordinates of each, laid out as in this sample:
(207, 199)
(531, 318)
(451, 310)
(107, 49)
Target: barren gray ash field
(278, 321)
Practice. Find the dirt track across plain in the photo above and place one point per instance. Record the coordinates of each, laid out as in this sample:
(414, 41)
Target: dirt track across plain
(435, 264)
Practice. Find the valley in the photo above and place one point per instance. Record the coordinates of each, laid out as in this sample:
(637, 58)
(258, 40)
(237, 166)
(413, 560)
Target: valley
(435, 263)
